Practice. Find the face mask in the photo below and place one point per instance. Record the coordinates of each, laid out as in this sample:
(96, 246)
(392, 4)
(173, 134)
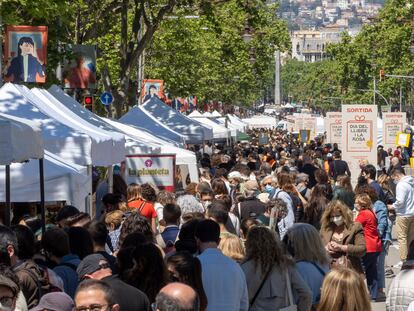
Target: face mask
(206, 204)
(337, 220)
(269, 188)
(395, 181)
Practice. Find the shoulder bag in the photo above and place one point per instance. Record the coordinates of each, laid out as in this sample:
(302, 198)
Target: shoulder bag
(291, 304)
(259, 289)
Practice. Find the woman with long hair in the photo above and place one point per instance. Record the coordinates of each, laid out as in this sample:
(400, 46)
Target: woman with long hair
(149, 273)
(316, 205)
(366, 217)
(343, 239)
(183, 267)
(270, 274)
(343, 191)
(304, 244)
(344, 290)
(142, 199)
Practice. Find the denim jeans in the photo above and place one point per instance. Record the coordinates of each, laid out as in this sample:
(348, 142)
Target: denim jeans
(369, 262)
(381, 264)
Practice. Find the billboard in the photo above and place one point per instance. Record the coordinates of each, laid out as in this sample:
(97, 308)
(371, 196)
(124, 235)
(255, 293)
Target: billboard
(359, 139)
(80, 69)
(333, 128)
(25, 54)
(156, 169)
(392, 124)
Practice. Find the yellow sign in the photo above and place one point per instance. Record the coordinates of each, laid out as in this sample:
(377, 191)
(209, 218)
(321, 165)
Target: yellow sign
(402, 139)
(304, 136)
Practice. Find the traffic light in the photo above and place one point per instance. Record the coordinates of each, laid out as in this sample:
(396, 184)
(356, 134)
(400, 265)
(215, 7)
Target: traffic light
(88, 102)
(382, 75)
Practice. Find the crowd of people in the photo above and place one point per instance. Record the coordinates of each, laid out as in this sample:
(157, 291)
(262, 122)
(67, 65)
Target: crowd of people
(275, 226)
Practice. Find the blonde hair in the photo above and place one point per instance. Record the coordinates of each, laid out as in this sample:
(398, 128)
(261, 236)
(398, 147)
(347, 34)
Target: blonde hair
(133, 192)
(232, 247)
(336, 206)
(345, 290)
(123, 207)
(114, 218)
(383, 181)
(305, 244)
(364, 201)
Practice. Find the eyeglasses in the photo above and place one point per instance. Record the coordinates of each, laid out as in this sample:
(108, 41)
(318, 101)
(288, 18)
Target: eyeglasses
(6, 301)
(94, 307)
(154, 306)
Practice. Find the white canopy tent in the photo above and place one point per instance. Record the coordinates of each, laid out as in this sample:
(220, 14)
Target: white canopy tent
(20, 140)
(260, 121)
(215, 113)
(63, 181)
(193, 132)
(61, 140)
(238, 122)
(219, 132)
(107, 142)
(183, 157)
(207, 114)
(234, 130)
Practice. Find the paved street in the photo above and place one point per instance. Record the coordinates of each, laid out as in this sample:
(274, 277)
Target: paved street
(392, 259)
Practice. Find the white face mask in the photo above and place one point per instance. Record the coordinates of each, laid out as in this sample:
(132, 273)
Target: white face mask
(337, 220)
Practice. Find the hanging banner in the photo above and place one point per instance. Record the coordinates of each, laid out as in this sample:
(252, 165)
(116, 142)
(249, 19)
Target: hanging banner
(25, 54)
(333, 128)
(359, 139)
(393, 122)
(158, 170)
(152, 88)
(80, 67)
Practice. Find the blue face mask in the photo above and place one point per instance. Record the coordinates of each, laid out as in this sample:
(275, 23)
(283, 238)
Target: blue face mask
(269, 188)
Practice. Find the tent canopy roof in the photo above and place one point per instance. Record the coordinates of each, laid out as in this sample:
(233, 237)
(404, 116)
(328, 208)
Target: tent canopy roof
(20, 140)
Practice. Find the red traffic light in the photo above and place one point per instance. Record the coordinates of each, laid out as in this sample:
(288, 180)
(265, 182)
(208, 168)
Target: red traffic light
(87, 100)
(382, 75)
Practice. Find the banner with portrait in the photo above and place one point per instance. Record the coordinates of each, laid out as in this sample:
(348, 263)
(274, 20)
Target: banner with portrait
(151, 88)
(359, 139)
(80, 67)
(25, 54)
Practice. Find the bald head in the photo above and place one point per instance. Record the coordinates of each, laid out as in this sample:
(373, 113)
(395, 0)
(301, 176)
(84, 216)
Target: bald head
(177, 297)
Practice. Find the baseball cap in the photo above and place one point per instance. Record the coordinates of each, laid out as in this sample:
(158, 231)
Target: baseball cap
(91, 264)
(251, 185)
(56, 301)
(234, 174)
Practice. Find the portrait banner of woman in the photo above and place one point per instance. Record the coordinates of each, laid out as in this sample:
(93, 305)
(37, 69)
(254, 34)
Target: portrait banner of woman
(25, 54)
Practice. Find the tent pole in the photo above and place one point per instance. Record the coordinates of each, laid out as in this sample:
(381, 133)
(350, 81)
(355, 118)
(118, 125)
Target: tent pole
(110, 179)
(89, 205)
(8, 203)
(42, 195)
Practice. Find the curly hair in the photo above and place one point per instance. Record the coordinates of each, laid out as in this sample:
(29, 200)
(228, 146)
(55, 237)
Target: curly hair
(149, 273)
(265, 249)
(165, 197)
(148, 193)
(135, 223)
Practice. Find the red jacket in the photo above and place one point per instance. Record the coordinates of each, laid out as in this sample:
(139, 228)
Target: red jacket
(368, 220)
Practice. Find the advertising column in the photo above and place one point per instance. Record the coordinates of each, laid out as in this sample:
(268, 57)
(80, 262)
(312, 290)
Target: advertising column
(333, 128)
(359, 139)
(393, 122)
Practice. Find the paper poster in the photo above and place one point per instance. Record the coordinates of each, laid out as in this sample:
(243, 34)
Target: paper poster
(158, 170)
(333, 127)
(393, 123)
(304, 136)
(359, 139)
(152, 88)
(290, 123)
(25, 54)
(402, 139)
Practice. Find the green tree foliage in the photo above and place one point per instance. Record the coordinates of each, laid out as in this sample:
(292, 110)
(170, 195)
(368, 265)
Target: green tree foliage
(207, 56)
(382, 44)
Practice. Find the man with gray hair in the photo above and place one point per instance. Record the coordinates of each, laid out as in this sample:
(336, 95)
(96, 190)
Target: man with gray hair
(176, 297)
